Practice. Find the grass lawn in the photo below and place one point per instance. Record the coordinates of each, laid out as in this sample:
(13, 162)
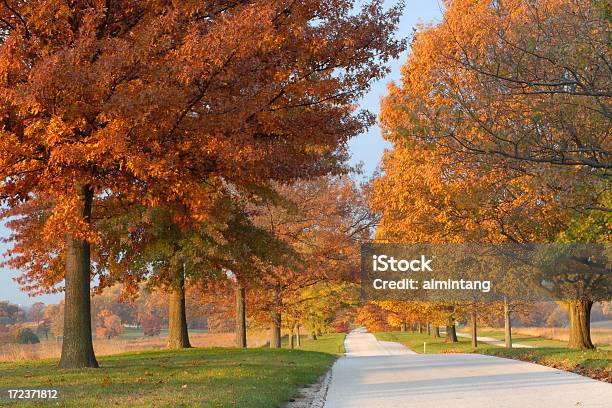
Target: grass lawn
(328, 343)
(211, 377)
(414, 341)
(521, 338)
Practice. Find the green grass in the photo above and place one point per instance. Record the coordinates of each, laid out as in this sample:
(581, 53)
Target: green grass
(332, 343)
(522, 339)
(414, 341)
(216, 377)
(559, 357)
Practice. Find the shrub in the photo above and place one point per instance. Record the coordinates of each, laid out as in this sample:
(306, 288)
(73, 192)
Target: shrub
(25, 335)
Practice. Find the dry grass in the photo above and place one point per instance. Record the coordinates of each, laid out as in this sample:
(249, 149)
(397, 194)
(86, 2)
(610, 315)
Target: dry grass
(52, 349)
(600, 336)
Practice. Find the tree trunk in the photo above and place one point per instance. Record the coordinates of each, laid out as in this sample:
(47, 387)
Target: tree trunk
(298, 341)
(474, 330)
(451, 333)
(291, 338)
(77, 345)
(428, 328)
(420, 327)
(275, 331)
(241, 338)
(579, 312)
(436, 332)
(403, 327)
(178, 335)
(507, 324)
(313, 335)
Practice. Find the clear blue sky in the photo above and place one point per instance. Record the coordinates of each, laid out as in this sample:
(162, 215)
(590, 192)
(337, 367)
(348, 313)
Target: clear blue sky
(366, 148)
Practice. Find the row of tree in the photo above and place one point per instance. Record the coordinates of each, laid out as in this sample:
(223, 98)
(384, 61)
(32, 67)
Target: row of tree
(140, 141)
(501, 134)
(392, 315)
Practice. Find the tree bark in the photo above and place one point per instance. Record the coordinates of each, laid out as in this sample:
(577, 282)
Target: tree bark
(579, 312)
(403, 327)
(77, 345)
(241, 334)
(291, 338)
(275, 331)
(420, 327)
(178, 335)
(451, 333)
(428, 328)
(298, 341)
(474, 330)
(436, 332)
(507, 324)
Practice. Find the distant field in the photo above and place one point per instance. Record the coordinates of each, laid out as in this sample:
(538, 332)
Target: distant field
(604, 324)
(601, 334)
(133, 332)
(129, 341)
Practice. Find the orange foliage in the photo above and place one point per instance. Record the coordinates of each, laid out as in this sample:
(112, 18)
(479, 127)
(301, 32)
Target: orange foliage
(160, 103)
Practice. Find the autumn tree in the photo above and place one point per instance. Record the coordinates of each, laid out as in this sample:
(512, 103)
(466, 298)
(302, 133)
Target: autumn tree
(54, 314)
(151, 311)
(152, 102)
(148, 245)
(499, 133)
(318, 308)
(109, 325)
(115, 300)
(373, 317)
(151, 324)
(515, 80)
(402, 312)
(323, 220)
(36, 312)
(11, 313)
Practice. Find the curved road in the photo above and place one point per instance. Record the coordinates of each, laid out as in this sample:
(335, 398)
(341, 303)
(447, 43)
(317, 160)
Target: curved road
(377, 374)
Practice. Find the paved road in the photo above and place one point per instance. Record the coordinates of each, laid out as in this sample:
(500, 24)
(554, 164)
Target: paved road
(377, 374)
(495, 342)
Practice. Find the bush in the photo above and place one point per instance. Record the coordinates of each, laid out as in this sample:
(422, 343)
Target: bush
(25, 335)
